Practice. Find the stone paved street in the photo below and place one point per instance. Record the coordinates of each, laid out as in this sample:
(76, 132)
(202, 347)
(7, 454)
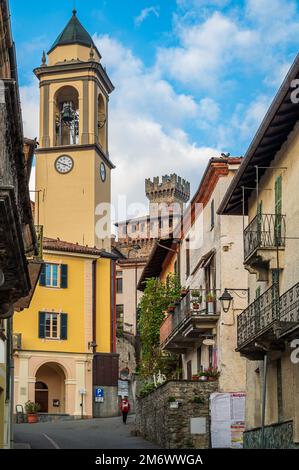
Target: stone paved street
(104, 433)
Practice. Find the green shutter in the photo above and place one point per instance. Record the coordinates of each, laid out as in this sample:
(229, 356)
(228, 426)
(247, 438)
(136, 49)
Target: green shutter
(41, 325)
(278, 195)
(278, 209)
(64, 276)
(258, 292)
(63, 326)
(42, 277)
(259, 221)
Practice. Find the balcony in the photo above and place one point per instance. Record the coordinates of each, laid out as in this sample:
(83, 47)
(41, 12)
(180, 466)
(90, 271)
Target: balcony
(264, 243)
(192, 319)
(267, 322)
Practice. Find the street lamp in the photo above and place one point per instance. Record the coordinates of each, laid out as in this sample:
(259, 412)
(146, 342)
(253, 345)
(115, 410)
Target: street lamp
(226, 298)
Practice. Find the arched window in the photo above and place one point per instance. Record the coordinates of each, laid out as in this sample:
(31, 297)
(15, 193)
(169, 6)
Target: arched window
(102, 122)
(67, 116)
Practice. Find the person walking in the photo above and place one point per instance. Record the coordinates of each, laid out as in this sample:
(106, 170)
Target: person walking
(125, 408)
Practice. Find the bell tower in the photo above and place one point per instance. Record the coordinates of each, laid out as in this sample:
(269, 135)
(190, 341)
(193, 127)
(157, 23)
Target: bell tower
(73, 168)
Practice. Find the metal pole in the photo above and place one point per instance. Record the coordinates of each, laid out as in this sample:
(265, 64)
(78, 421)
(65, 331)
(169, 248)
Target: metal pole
(82, 398)
(262, 442)
(257, 187)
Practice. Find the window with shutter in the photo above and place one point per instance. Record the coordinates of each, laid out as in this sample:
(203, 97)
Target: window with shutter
(64, 276)
(63, 326)
(42, 278)
(42, 325)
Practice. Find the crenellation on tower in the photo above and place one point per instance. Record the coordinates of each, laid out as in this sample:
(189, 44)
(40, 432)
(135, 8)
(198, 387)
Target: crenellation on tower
(169, 189)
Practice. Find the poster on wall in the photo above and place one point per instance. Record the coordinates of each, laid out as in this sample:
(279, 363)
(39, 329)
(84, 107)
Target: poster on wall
(227, 419)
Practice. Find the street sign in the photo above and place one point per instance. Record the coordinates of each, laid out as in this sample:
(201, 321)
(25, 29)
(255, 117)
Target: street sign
(99, 395)
(123, 388)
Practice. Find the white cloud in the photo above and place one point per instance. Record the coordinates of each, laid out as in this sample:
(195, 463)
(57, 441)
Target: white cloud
(206, 51)
(209, 109)
(30, 109)
(145, 13)
(147, 118)
(140, 91)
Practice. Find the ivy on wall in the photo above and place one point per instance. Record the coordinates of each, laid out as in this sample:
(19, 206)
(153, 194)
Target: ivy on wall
(157, 297)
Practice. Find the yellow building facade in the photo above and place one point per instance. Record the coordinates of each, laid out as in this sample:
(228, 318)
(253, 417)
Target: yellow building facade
(66, 339)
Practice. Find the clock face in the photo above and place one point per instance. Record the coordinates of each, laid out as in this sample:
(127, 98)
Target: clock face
(103, 172)
(64, 164)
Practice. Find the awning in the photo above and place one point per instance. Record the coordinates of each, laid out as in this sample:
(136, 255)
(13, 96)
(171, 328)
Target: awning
(204, 260)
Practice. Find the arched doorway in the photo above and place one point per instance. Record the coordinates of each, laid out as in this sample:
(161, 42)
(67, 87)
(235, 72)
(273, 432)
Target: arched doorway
(42, 396)
(50, 388)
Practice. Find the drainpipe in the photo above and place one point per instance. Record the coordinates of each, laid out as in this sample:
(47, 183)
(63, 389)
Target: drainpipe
(94, 306)
(94, 323)
(262, 441)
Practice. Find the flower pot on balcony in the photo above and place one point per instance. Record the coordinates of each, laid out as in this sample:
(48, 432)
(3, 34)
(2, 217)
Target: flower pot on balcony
(195, 306)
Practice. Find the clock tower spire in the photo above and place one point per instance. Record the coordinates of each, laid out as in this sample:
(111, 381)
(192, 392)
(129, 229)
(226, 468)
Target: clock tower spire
(73, 164)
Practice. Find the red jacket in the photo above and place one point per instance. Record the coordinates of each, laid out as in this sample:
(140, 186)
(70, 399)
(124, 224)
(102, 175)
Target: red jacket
(125, 406)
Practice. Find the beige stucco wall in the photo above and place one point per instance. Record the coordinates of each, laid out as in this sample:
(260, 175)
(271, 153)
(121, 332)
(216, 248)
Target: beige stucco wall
(225, 239)
(286, 164)
(127, 298)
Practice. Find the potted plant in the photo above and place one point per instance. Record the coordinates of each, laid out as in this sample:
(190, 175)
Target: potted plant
(203, 376)
(195, 377)
(212, 374)
(211, 302)
(196, 299)
(32, 409)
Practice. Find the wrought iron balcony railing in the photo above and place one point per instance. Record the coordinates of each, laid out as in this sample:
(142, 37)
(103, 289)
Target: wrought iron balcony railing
(258, 315)
(195, 304)
(264, 231)
(266, 310)
(289, 308)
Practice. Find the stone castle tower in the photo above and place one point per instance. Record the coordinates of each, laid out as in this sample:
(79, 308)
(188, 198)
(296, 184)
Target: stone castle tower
(170, 190)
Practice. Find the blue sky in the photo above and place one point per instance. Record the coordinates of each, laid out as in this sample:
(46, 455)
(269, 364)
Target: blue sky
(193, 78)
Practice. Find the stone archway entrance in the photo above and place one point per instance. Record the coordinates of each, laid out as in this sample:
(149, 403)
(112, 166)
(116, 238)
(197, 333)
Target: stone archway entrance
(50, 388)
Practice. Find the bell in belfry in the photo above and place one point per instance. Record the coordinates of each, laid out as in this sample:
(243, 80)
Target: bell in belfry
(67, 114)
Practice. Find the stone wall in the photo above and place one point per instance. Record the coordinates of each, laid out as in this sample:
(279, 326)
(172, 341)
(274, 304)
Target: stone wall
(170, 428)
(277, 436)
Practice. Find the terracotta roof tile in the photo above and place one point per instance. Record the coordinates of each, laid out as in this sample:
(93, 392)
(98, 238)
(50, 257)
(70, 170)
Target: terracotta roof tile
(60, 245)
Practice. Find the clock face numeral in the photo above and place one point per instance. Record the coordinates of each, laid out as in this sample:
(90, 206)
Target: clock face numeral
(64, 164)
(103, 172)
